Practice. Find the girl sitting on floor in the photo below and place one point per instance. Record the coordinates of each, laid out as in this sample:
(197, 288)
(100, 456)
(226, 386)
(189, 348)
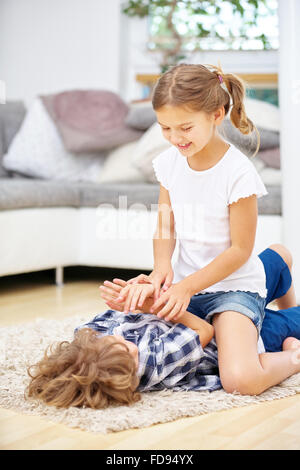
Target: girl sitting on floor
(116, 356)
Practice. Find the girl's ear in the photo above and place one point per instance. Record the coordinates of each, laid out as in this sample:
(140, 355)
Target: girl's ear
(219, 115)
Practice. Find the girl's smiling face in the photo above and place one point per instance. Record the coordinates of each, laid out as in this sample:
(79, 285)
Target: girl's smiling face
(190, 131)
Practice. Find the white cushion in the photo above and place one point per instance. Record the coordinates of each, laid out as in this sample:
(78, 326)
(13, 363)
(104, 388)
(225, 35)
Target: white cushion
(37, 150)
(118, 166)
(151, 144)
(263, 114)
(270, 176)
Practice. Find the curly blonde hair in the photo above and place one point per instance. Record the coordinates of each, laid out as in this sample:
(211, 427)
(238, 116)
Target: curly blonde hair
(198, 87)
(90, 371)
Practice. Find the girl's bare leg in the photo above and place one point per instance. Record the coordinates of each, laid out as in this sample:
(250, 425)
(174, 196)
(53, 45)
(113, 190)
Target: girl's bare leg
(242, 369)
(289, 299)
(291, 343)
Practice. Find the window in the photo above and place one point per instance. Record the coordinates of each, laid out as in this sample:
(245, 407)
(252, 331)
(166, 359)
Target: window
(225, 25)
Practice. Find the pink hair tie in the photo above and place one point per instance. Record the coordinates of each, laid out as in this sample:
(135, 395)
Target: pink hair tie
(222, 83)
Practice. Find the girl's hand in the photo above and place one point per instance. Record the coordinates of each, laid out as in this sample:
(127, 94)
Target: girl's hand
(174, 301)
(159, 277)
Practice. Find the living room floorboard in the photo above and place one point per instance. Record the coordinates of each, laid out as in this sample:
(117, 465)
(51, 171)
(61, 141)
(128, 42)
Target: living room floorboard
(270, 425)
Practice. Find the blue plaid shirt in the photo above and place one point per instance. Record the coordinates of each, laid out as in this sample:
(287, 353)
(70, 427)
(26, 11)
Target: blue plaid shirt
(170, 355)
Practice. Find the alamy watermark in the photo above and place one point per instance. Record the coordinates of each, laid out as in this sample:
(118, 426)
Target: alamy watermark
(134, 222)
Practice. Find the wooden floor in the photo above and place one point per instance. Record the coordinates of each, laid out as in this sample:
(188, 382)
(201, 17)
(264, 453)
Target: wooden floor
(271, 425)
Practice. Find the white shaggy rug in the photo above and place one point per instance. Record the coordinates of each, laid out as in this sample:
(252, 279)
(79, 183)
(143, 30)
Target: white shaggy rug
(24, 344)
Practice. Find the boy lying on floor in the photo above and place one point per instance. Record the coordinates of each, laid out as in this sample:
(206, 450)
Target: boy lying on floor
(115, 356)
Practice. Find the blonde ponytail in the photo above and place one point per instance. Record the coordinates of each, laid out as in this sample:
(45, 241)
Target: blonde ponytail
(236, 88)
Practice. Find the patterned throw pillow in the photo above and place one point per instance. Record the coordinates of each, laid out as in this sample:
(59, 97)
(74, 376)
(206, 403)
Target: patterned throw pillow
(37, 150)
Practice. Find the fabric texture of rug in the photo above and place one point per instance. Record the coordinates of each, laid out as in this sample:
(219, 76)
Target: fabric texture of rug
(24, 344)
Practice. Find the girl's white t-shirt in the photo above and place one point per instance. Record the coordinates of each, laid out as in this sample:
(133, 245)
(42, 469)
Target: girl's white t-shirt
(200, 203)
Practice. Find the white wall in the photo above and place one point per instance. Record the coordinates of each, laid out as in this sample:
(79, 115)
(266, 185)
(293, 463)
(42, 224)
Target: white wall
(53, 45)
(289, 100)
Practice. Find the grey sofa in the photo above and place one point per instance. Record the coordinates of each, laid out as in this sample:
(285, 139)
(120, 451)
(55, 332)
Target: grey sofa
(51, 224)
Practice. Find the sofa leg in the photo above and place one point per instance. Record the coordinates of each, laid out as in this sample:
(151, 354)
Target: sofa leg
(59, 276)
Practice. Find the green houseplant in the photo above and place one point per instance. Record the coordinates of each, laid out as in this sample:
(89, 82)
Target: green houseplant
(172, 50)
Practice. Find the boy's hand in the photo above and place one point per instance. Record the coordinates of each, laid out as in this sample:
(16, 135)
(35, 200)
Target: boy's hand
(111, 290)
(140, 279)
(157, 277)
(124, 292)
(135, 294)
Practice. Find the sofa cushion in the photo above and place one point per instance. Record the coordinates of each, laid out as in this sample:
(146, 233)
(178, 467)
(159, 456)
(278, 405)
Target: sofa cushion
(92, 195)
(90, 120)
(12, 114)
(151, 144)
(118, 165)
(270, 204)
(247, 143)
(23, 193)
(271, 157)
(20, 193)
(141, 115)
(3, 171)
(264, 115)
(37, 150)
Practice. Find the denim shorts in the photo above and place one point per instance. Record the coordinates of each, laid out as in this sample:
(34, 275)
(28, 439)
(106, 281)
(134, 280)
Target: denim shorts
(250, 304)
(276, 325)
